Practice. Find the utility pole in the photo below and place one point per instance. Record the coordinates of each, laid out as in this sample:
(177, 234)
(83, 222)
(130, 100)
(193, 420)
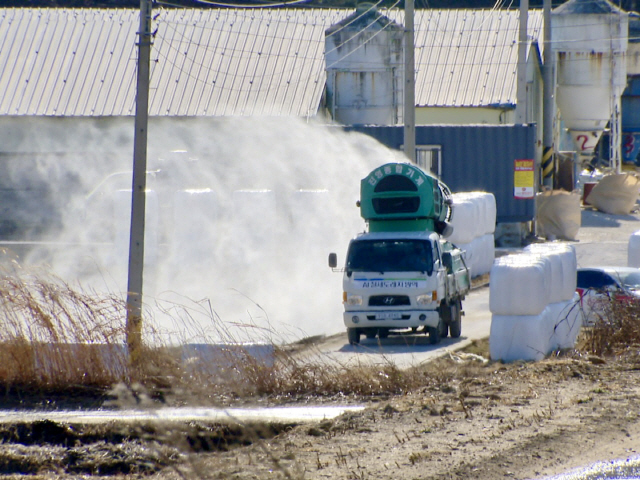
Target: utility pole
(136, 239)
(548, 107)
(521, 94)
(409, 83)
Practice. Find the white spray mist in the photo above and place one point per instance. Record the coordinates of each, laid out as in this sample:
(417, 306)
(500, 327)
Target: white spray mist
(241, 215)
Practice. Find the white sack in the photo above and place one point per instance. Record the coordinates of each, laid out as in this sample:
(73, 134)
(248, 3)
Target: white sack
(566, 320)
(633, 250)
(564, 268)
(520, 337)
(519, 284)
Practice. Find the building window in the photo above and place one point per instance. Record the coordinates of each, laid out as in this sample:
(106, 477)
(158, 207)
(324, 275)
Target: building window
(429, 158)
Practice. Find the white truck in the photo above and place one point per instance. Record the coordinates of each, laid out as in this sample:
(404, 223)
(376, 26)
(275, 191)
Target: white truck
(402, 276)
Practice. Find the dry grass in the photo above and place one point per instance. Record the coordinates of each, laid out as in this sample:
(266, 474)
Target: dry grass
(54, 337)
(616, 328)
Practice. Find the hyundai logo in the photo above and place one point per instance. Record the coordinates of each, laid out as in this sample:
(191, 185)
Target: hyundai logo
(389, 300)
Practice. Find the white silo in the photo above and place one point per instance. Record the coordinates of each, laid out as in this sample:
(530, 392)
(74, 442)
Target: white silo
(589, 38)
(365, 67)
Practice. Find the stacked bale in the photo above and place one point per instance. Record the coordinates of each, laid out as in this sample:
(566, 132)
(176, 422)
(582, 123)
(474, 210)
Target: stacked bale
(633, 250)
(474, 223)
(534, 303)
(564, 300)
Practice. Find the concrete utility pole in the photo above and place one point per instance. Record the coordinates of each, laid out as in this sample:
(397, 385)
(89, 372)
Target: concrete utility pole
(548, 110)
(409, 83)
(521, 102)
(136, 241)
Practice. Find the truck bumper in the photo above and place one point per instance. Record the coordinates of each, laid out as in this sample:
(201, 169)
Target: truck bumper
(376, 319)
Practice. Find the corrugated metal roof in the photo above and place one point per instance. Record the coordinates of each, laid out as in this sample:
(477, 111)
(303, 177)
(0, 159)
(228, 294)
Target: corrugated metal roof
(79, 62)
(214, 62)
(67, 62)
(469, 57)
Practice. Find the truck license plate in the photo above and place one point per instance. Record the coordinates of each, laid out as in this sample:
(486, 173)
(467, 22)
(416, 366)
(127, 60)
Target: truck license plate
(388, 316)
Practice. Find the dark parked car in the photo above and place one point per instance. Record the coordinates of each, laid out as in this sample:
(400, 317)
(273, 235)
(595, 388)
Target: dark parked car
(599, 284)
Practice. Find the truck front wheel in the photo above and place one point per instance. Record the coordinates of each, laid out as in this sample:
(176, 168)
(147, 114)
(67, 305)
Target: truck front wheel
(353, 335)
(434, 333)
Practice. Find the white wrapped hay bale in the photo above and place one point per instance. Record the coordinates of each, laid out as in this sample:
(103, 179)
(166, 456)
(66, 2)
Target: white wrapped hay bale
(563, 268)
(633, 250)
(492, 213)
(474, 215)
(465, 220)
(519, 284)
(566, 320)
(520, 337)
(479, 255)
(488, 210)
(487, 247)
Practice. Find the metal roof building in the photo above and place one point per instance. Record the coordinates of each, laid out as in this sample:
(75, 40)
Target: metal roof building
(469, 57)
(235, 62)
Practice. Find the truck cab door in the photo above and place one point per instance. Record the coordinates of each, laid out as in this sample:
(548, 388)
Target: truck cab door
(440, 271)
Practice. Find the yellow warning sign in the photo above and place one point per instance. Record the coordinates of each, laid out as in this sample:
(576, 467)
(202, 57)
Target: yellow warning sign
(523, 179)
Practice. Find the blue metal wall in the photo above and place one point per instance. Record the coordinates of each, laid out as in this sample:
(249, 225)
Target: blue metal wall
(630, 123)
(631, 106)
(478, 157)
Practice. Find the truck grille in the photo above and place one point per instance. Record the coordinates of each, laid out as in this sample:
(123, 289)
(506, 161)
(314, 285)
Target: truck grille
(388, 300)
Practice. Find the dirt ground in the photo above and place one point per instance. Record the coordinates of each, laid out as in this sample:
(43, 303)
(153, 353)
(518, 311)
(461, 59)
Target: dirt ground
(469, 419)
(478, 420)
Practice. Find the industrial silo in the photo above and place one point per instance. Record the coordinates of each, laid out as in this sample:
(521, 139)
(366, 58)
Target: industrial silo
(365, 68)
(589, 38)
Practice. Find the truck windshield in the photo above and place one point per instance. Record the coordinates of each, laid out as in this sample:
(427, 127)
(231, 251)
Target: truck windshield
(390, 256)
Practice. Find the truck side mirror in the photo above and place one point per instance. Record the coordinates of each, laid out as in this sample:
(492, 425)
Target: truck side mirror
(333, 260)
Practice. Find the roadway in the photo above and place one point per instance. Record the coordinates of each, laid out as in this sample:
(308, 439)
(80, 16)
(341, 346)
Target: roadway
(602, 240)
(405, 351)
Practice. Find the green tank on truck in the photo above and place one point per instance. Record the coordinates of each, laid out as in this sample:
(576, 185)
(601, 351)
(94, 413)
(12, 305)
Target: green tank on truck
(402, 275)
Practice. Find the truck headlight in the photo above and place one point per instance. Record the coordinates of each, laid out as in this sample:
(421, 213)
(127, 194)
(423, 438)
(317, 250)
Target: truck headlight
(424, 299)
(354, 300)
